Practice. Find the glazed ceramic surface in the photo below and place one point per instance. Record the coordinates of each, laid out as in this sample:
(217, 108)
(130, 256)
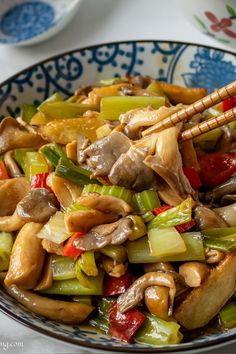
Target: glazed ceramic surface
(215, 18)
(32, 21)
(178, 63)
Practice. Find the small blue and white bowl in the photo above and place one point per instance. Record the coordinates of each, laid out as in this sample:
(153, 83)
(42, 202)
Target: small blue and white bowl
(25, 22)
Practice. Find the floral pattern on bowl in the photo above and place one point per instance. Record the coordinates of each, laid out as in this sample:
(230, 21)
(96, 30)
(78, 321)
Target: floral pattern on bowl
(179, 63)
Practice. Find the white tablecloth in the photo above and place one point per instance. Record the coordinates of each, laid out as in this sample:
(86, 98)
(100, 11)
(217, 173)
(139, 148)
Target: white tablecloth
(97, 21)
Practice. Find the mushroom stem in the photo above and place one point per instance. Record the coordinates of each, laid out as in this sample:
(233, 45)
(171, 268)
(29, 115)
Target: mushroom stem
(11, 165)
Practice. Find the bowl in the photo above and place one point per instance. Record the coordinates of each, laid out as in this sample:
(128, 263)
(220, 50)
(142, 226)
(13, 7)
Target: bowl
(175, 62)
(31, 21)
(215, 18)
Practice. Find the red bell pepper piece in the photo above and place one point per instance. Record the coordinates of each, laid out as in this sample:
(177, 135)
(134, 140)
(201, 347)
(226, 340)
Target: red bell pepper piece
(216, 168)
(193, 177)
(162, 208)
(69, 249)
(229, 103)
(124, 325)
(186, 226)
(116, 286)
(3, 171)
(40, 181)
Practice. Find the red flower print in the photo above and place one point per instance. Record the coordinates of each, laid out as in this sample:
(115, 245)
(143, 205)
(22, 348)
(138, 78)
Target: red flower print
(220, 25)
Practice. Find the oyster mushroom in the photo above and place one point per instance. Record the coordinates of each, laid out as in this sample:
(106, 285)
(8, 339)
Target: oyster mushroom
(11, 165)
(194, 273)
(207, 218)
(228, 214)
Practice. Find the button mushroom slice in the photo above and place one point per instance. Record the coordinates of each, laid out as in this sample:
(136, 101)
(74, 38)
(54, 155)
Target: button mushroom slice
(52, 247)
(157, 301)
(12, 191)
(11, 223)
(135, 293)
(100, 236)
(11, 165)
(46, 279)
(152, 267)
(104, 152)
(65, 191)
(55, 310)
(13, 136)
(207, 218)
(214, 256)
(204, 302)
(27, 258)
(114, 268)
(228, 214)
(38, 206)
(194, 273)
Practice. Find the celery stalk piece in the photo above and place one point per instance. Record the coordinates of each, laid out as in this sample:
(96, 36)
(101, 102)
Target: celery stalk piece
(165, 242)
(63, 268)
(64, 110)
(74, 287)
(154, 87)
(116, 252)
(112, 107)
(68, 170)
(220, 231)
(88, 264)
(145, 201)
(220, 244)
(53, 153)
(148, 216)
(228, 315)
(156, 331)
(55, 229)
(101, 321)
(55, 97)
(27, 112)
(19, 156)
(83, 299)
(35, 163)
(139, 251)
(174, 216)
(81, 276)
(6, 243)
(114, 191)
(139, 229)
(75, 206)
(91, 188)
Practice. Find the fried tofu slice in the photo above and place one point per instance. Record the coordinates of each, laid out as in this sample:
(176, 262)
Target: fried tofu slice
(204, 302)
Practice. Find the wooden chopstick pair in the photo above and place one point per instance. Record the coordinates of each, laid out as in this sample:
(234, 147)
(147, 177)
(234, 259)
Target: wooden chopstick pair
(197, 107)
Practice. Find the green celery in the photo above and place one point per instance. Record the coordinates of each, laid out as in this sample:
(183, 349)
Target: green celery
(174, 216)
(75, 206)
(155, 87)
(88, 264)
(101, 321)
(74, 287)
(53, 153)
(156, 331)
(220, 232)
(139, 251)
(65, 109)
(228, 315)
(55, 229)
(139, 228)
(109, 82)
(27, 112)
(114, 191)
(55, 97)
(34, 164)
(83, 278)
(91, 188)
(83, 299)
(116, 252)
(148, 216)
(145, 201)
(165, 242)
(68, 170)
(6, 243)
(63, 268)
(220, 244)
(19, 156)
(112, 107)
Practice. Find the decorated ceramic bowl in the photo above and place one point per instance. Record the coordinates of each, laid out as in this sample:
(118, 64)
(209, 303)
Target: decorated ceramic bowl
(25, 22)
(215, 18)
(178, 63)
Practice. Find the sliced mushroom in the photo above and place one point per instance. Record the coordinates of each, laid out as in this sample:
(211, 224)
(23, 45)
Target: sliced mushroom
(135, 293)
(214, 256)
(52, 247)
(13, 136)
(228, 214)
(82, 144)
(27, 258)
(204, 302)
(56, 310)
(207, 218)
(227, 187)
(46, 279)
(12, 191)
(65, 191)
(194, 273)
(38, 206)
(157, 301)
(113, 268)
(152, 267)
(105, 152)
(100, 236)
(11, 165)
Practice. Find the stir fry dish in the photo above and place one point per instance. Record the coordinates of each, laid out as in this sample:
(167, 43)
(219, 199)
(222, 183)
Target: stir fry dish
(105, 224)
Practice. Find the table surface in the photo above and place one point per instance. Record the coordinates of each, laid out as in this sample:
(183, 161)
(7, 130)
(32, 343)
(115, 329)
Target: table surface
(97, 21)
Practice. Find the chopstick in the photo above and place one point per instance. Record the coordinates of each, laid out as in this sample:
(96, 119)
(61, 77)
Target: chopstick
(197, 107)
(208, 125)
